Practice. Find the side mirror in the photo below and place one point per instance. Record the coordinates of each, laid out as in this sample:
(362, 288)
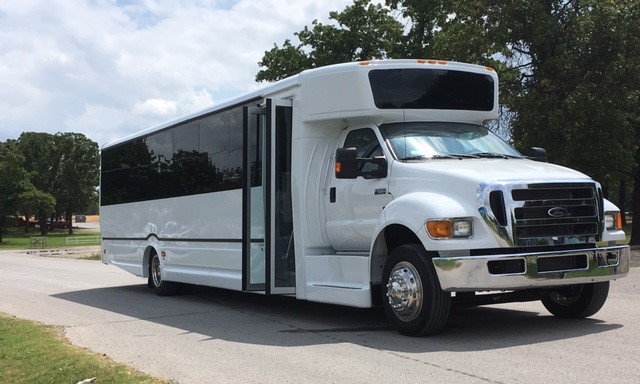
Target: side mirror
(349, 166)
(538, 154)
(346, 163)
(375, 168)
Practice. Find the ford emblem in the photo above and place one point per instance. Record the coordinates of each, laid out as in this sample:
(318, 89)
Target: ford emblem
(558, 212)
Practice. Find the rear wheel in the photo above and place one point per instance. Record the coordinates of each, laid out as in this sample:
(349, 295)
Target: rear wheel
(411, 296)
(577, 301)
(161, 287)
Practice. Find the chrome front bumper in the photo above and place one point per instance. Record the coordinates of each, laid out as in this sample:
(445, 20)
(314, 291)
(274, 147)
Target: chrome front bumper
(532, 270)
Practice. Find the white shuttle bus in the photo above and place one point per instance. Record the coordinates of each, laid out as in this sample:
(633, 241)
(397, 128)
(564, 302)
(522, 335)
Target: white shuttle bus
(360, 184)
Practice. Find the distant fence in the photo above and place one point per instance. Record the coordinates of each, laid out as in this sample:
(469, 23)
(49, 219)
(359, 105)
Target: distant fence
(38, 242)
(83, 240)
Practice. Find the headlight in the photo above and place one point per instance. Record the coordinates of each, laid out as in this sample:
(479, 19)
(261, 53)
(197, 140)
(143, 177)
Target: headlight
(449, 228)
(612, 220)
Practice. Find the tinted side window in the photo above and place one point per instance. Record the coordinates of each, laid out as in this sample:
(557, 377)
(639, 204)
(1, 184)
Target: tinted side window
(161, 176)
(199, 156)
(214, 148)
(125, 173)
(233, 178)
(187, 161)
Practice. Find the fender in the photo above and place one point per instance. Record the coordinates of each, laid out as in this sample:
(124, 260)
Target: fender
(414, 209)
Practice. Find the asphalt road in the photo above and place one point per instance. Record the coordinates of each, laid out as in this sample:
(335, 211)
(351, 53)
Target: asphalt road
(216, 336)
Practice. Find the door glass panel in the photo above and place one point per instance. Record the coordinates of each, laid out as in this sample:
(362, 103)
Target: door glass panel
(255, 213)
(258, 198)
(284, 260)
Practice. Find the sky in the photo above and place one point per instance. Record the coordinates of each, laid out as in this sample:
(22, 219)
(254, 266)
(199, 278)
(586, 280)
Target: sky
(110, 68)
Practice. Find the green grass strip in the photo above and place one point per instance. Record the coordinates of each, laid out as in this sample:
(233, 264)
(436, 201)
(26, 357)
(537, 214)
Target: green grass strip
(15, 238)
(36, 353)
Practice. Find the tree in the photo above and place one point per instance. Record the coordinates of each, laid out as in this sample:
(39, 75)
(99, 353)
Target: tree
(364, 31)
(65, 166)
(14, 180)
(42, 162)
(33, 202)
(78, 173)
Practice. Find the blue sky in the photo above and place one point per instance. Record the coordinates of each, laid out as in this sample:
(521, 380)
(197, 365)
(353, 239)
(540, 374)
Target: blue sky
(109, 68)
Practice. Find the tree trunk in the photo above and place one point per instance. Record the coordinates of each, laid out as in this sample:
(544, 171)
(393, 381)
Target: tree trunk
(42, 219)
(635, 224)
(622, 200)
(68, 219)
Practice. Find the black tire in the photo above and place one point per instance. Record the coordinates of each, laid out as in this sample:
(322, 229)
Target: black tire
(413, 301)
(577, 301)
(161, 287)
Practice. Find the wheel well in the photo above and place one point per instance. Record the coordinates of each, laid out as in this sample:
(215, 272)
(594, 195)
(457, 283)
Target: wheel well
(397, 235)
(389, 239)
(146, 259)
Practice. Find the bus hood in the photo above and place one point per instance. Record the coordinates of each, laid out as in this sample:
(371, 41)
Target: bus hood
(473, 172)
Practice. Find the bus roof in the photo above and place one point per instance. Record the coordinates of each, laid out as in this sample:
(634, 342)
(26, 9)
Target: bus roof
(306, 75)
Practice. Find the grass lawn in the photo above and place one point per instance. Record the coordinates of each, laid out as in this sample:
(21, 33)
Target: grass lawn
(15, 238)
(36, 353)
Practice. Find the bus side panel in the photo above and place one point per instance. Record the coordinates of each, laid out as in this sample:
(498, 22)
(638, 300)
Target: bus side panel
(201, 236)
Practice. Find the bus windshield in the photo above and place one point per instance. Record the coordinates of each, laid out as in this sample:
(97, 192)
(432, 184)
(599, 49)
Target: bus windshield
(426, 140)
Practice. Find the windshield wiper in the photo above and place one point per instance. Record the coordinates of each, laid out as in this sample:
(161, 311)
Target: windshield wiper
(418, 157)
(461, 156)
(439, 157)
(491, 155)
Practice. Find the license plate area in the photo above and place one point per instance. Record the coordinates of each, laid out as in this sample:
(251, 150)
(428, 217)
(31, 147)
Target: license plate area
(562, 263)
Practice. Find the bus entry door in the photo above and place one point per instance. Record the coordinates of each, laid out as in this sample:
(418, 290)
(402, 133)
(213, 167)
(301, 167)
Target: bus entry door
(268, 259)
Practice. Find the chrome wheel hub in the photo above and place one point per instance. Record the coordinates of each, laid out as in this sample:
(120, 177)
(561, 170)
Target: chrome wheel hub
(156, 272)
(404, 291)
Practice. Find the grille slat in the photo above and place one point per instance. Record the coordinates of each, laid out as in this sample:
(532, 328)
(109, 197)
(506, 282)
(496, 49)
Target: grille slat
(543, 211)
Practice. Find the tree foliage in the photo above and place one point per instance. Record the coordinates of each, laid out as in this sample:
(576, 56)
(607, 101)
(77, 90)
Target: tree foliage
(35, 203)
(78, 173)
(363, 31)
(14, 180)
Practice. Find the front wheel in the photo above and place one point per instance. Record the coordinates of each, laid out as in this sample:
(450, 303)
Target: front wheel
(577, 301)
(161, 287)
(411, 296)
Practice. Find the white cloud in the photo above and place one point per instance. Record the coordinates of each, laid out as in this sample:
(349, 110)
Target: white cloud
(109, 68)
(156, 107)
